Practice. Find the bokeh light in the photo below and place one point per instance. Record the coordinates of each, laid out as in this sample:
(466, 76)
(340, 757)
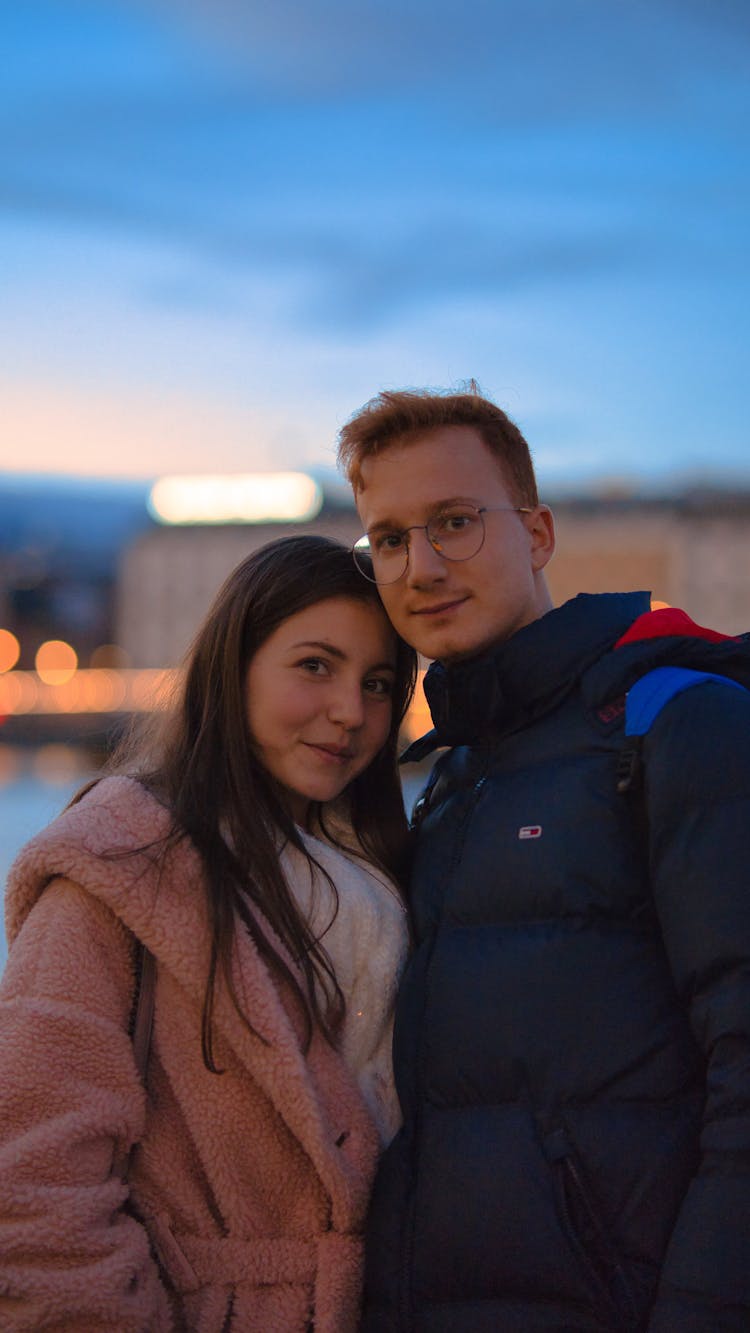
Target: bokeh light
(109, 655)
(10, 650)
(19, 692)
(55, 662)
(102, 691)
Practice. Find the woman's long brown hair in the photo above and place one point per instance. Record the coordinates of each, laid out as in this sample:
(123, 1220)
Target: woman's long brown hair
(201, 764)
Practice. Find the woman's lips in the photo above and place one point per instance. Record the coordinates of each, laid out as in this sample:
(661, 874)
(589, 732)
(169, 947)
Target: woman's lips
(335, 753)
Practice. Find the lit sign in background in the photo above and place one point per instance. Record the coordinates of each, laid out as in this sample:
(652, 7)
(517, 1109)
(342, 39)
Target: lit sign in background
(251, 497)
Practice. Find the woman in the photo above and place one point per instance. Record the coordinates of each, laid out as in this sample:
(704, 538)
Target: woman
(253, 847)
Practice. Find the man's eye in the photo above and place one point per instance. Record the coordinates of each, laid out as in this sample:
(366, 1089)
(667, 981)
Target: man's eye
(454, 522)
(388, 542)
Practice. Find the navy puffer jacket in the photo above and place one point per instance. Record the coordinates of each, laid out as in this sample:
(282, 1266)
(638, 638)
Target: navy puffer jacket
(572, 1041)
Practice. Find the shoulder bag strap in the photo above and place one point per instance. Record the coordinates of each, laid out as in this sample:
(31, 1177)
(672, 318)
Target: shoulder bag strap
(141, 1026)
(143, 1021)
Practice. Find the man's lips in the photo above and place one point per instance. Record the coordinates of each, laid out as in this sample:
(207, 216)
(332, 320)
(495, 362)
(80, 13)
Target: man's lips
(439, 608)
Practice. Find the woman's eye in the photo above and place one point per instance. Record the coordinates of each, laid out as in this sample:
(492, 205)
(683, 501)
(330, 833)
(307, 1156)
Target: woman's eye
(379, 685)
(314, 665)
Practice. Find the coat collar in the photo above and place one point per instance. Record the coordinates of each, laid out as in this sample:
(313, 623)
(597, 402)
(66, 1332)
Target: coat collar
(528, 674)
(91, 844)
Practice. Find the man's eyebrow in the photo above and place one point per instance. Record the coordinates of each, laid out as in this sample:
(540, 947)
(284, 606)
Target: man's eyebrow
(384, 525)
(390, 524)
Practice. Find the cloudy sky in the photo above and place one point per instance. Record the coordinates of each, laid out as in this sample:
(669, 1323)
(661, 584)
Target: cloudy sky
(224, 225)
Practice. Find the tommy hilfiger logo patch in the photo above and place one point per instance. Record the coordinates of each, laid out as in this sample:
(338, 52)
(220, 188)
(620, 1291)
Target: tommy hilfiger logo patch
(530, 831)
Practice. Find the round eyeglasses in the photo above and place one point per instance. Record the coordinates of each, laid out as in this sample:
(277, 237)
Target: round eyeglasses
(456, 533)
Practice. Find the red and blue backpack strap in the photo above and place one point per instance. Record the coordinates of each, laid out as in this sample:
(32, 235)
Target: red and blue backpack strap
(643, 704)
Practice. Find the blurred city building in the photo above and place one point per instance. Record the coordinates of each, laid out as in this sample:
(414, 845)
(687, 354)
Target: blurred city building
(102, 586)
(170, 574)
(61, 541)
(691, 549)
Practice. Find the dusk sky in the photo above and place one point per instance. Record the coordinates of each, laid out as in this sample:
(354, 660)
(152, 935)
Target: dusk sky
(226, 225)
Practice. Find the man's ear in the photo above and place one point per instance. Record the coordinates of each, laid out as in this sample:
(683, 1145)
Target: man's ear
(540, 525)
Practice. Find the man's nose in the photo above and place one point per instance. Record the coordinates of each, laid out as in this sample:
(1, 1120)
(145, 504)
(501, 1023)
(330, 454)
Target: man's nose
(426, 565)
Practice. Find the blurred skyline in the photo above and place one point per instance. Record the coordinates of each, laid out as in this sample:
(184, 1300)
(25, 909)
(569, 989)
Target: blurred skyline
(225, 226)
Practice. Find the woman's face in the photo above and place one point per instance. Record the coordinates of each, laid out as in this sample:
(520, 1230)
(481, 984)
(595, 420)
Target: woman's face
(319, 698)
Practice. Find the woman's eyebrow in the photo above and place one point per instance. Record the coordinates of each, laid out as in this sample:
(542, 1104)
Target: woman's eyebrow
(323, 646)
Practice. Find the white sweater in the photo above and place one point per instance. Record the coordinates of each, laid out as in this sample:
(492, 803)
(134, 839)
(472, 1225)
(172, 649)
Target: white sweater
(367, 942)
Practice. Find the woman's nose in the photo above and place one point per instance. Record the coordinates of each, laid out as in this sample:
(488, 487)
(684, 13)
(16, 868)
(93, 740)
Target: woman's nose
(347, 706)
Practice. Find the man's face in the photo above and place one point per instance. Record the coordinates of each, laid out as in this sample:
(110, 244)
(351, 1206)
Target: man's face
(449, 609)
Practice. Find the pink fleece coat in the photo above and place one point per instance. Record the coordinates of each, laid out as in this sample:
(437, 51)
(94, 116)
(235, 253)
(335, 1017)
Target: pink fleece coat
(248, 1190)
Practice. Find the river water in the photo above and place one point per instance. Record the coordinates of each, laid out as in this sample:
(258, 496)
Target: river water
(34, 787)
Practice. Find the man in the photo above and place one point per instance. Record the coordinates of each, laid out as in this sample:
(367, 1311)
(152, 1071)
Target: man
(572, 1044)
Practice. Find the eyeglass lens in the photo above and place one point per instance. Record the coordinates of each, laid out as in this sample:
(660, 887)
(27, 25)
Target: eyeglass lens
(456, 534)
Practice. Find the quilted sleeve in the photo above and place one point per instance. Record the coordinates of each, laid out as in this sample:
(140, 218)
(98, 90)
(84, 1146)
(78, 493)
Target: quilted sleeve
(71, 1258)
(697, 762)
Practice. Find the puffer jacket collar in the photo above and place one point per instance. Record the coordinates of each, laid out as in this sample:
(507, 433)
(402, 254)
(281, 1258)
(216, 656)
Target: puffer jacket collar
(526, 676)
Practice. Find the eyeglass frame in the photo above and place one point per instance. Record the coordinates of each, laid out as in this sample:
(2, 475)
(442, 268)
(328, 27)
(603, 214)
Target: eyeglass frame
(479, 510)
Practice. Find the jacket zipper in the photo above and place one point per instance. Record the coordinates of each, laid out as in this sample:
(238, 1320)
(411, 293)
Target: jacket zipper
(404, 1295)
(605, 1269)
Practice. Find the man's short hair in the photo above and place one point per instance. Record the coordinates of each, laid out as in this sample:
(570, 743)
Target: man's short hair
(396, 416)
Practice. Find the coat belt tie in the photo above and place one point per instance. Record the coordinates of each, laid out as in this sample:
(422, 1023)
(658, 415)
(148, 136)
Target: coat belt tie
(192, 1262)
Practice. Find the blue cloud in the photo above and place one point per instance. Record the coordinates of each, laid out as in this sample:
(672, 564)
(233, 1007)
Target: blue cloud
(363, 168)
